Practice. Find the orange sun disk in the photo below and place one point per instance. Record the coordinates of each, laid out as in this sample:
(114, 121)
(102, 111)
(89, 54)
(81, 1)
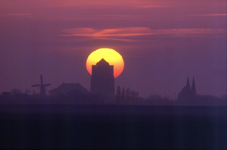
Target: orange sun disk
(110, 55)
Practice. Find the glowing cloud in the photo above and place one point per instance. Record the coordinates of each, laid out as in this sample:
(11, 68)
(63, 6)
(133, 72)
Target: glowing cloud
(124, 34)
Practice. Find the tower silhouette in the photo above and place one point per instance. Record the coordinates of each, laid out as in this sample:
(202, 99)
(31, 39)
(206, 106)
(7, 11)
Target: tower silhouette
(193, 90)
(42, 87)
(102, 80)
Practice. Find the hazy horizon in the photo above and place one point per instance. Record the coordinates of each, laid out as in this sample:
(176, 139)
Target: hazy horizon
(162, 43)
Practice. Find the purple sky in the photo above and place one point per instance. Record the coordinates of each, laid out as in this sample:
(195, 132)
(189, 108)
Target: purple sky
(162, 43)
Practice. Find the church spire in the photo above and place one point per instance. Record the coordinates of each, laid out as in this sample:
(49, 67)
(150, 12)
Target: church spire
(187, 84)
(193, 90)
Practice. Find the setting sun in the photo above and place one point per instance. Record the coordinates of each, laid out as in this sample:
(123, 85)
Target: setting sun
(110, 55)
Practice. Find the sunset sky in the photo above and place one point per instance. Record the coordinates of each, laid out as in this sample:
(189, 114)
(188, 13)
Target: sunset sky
(162, 43)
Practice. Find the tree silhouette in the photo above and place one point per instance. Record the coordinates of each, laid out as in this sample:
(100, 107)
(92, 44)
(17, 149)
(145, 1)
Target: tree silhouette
(123, 94)
(127, 96)
(118, 94)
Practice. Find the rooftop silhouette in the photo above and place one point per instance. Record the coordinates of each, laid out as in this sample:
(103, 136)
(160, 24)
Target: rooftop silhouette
(65, 88)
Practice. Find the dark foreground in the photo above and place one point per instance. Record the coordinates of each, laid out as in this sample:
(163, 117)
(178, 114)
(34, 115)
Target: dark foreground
(113, 127)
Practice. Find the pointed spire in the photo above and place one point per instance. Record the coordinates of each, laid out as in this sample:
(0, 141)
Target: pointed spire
(102, 62)
(41, 79)
(193, 90)
(187, 84)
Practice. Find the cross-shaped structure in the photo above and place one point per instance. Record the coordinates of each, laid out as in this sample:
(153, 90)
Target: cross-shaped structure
(42, 87)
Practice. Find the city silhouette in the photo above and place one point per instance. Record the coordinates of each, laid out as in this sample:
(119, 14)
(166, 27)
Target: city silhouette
(57, 118)
(113, 74)
(102, 91)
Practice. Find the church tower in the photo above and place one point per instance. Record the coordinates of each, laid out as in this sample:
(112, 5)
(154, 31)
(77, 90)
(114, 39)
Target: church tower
(193, 90)
(188, 93)
(188, 85)
(102, 80)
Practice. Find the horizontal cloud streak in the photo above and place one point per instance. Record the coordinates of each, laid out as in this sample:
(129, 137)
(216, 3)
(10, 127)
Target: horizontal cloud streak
(207, 15)
(124, 34)
(109, 3)
(23, 4)
(190, 31)
(16, 14)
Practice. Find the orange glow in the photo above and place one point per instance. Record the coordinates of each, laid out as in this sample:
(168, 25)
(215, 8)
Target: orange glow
(110, 55)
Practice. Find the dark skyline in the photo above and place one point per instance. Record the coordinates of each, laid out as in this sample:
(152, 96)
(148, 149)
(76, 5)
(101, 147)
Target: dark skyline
(171, 93)
(162, 43)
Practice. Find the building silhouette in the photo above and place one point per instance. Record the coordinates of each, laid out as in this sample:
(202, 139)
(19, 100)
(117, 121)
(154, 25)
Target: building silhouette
(193, 90)
(42, 87)
(102, 80)
(66, 88)
(188, 92)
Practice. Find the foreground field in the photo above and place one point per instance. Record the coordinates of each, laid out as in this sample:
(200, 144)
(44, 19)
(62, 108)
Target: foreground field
(103, 126)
